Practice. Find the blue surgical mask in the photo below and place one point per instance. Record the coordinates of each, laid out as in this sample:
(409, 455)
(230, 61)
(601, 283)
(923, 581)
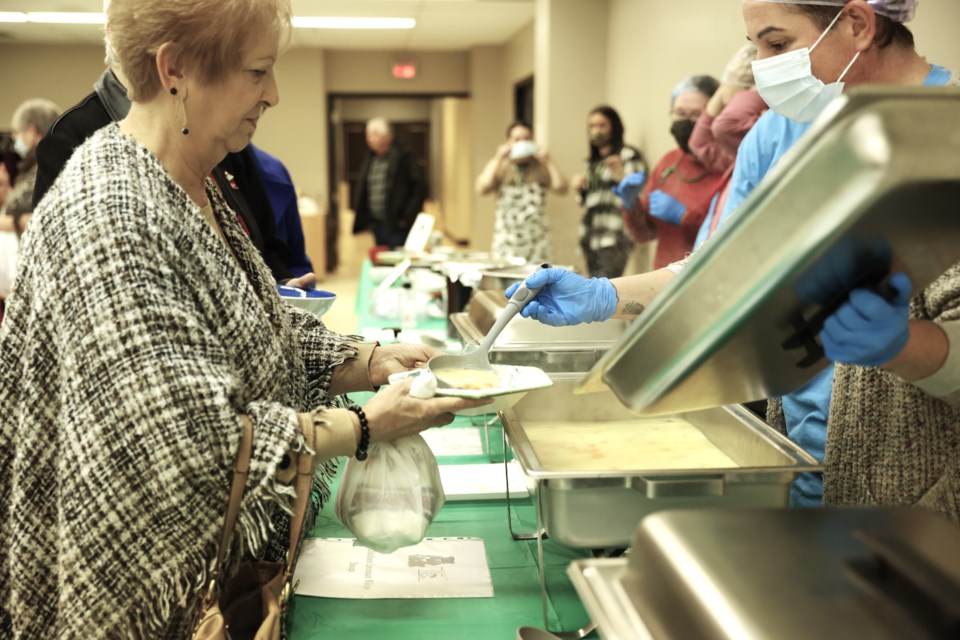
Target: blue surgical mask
(20, 147)
(787, 84)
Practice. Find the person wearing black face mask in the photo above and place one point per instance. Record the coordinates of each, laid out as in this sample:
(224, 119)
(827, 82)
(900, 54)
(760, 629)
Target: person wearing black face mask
(681, 131)
(677, 194)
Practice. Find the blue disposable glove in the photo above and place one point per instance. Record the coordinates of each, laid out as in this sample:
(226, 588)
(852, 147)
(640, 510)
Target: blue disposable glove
(629, 189)
(665, 207)
(566, 298)
(868, 329)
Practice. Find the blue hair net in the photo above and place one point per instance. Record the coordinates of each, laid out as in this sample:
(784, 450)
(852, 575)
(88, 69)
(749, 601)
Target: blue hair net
(897, 10)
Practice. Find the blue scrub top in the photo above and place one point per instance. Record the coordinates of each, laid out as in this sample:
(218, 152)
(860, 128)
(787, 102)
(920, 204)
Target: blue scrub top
(807, 409)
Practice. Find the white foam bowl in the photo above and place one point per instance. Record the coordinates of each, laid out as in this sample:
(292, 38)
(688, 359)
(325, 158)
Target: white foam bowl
(515, 382)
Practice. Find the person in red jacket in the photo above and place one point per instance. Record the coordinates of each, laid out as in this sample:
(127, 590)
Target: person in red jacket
(677, 194)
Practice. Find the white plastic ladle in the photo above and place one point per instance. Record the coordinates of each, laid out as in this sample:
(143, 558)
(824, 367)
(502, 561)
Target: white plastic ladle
(479, 359)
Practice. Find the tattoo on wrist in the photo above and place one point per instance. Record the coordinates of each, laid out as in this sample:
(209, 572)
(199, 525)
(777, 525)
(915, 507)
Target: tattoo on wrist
(633, 308)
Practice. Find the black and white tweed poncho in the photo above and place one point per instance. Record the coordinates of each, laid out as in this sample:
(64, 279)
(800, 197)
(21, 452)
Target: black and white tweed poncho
(132, 341)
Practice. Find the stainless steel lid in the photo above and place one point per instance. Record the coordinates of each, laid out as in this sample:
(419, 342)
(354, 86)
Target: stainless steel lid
(878, 175)
(877, 573)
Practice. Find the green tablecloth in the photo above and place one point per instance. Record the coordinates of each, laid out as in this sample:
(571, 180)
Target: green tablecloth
(513, 564)
(368, 320)
(513, 569)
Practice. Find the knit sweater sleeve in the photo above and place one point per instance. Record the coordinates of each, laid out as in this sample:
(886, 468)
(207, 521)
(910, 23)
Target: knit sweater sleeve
(324, 352)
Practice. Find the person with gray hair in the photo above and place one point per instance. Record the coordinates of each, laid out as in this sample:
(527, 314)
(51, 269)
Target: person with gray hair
(380, 126)
(677, 194)
(391, 188)
(30, 122)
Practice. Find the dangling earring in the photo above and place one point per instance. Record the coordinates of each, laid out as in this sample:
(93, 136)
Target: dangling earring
(183, 112)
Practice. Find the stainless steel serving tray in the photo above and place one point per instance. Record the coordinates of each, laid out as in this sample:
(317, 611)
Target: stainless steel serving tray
(753, 574)
(527, 342)
(877, 175)
(601, 509)
(498, 279)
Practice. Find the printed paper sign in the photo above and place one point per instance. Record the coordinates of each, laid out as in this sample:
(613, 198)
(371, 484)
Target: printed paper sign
(434, 568)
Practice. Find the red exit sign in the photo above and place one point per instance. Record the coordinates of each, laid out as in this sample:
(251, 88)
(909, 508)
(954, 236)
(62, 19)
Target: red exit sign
(404, 70)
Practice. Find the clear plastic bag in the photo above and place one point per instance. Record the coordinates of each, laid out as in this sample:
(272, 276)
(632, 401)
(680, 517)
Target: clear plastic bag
(388, 500)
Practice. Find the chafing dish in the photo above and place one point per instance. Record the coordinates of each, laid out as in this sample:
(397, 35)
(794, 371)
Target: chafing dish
(463, 274)
(498, 279)
(527, 342)
(852, 573)
(875, 182)
(601, 509)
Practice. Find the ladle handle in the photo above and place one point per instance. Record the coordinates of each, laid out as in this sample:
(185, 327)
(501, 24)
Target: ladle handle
(517, 301)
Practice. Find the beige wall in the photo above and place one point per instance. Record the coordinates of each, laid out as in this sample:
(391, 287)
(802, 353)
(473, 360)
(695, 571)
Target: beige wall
(651, 47)
(518, 64)
(935, 29)
(400, 109)
(490, 95)
(569, 82)
(62, 73)
(456, 184)
(369, 72)
(295, 131)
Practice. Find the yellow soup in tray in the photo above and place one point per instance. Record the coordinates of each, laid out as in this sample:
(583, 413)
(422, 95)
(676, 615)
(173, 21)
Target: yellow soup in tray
(622, 445)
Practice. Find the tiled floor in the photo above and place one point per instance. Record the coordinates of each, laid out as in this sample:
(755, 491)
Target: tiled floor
(353, 249)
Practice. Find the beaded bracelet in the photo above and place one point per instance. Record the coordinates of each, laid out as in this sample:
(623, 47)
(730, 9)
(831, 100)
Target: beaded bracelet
(364, 433)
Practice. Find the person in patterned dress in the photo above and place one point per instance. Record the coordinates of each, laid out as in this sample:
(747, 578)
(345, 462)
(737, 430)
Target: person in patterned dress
(521, 173)
(604, 241)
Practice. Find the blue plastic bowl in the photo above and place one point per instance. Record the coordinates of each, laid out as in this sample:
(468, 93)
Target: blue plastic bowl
(316, 301)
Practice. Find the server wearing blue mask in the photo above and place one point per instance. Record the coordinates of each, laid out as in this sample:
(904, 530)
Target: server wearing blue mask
(807, 52)
(892, 402)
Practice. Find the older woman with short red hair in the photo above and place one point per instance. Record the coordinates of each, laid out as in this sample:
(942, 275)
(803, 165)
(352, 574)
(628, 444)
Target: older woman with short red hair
(142, 332)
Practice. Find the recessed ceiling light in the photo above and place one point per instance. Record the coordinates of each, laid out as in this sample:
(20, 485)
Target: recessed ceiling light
(311, 22)
(303, 22)
(46, 17)
(53, 17)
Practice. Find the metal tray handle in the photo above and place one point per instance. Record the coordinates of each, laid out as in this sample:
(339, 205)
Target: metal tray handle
(897, 576)
(679, 486)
